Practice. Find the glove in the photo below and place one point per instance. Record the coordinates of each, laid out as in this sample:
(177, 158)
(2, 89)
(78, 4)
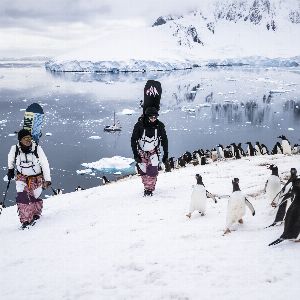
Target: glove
(138, 159)
(10, 174)
(165, 158)
(46, 184)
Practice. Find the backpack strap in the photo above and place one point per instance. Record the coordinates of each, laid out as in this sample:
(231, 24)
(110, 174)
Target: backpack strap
(17, 152)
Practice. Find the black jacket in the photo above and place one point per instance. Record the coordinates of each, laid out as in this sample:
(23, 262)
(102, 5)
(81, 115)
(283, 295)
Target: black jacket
(149, 127)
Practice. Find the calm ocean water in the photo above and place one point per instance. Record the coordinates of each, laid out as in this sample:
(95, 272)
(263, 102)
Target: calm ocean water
(200, 108)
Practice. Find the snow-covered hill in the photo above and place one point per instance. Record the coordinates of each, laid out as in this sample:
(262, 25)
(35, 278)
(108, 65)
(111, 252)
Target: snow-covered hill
(111, 243)
(240, 30)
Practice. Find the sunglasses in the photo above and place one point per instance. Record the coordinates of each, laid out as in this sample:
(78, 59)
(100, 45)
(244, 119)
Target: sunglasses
(153, 117)
(27, 138)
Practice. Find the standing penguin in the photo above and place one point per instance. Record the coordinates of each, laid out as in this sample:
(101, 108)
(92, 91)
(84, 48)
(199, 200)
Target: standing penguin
(220, 149)
(264, 149)
(292, 221)
(250, 149)
(236, 208)
(295, 149)
(258, 148)
(277, 149)
(273, 185)
(285, 198)
(285, 144)
(199, 197)
(214, 154)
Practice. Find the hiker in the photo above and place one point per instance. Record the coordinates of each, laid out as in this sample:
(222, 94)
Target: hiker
(148, 135)
(33, 175)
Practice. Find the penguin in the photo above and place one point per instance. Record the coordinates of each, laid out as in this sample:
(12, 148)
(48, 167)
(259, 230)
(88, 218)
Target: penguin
(214, 154)
(171, 162)
(181, 162)
(242, 152)
(187, 156)
(257, 148)
(284, 199)
(285, 144)
(196, 158)
(227, 152)
(105, 180)
(277, 149)
(59, 191)
(235, 150)
(199, 197)
(79, 188)
(236, 208)
(292, 221)
(273, 184)
(295, 149)
(220, 149)
(250, 149)
(264, 149)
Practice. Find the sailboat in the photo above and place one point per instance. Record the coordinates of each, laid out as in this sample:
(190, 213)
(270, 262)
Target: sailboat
(114, 127)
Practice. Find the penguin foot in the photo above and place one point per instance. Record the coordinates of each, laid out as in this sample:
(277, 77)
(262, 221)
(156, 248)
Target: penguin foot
(241, 221)
(189, 215)
(276, 242)
(201, 213)
(226, 231)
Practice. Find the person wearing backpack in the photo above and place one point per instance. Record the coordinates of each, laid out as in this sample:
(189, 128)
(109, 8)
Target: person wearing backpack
(33, 175)
(148, 135)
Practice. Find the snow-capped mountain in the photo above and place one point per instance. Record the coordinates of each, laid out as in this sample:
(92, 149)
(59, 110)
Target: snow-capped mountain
(220, 30)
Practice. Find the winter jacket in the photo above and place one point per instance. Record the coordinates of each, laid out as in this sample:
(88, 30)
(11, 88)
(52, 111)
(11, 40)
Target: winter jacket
(28, 164)
(145, 128)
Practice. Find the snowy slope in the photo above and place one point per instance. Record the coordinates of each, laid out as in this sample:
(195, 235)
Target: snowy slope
(111, 243)
(242, 30)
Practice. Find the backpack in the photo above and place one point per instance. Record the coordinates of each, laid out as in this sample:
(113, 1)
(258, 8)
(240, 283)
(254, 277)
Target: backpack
(152, 95)
(17, 152)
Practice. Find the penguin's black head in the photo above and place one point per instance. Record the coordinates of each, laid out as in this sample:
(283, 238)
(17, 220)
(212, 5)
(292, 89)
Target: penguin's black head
(235, 184)
(293, 172)
(199, 179)
(274, 169)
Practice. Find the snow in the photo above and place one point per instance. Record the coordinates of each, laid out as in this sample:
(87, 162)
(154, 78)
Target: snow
(109, 242)
(171, 46)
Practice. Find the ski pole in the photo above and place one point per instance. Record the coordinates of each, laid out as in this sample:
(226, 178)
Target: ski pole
(7, 187)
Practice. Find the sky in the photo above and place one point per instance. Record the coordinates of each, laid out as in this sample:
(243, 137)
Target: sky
(44, 27)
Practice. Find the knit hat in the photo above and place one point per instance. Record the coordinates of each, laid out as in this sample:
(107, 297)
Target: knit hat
(151, 111)
(22, 133)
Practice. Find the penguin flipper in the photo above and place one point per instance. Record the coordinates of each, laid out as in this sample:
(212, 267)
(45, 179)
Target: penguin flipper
(210, 195)
(276, 242)
(250, 206)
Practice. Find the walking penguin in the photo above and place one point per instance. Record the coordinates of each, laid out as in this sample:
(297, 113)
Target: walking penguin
(292, 221)
(285, 197)
(199, 197)
(236, 208)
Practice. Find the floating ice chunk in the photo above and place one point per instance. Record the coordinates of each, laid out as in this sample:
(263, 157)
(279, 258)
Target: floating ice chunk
(113, 164)
(126, 111)
(117, 173)
(12, 134)
(95, 137)
(81, 172)
(291, 129)
(22, 109)
(48, 133)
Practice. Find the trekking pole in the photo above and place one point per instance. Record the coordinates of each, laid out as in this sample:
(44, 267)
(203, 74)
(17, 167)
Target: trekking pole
(3, 203)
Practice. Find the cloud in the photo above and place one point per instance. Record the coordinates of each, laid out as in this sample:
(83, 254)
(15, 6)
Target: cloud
(48, 24)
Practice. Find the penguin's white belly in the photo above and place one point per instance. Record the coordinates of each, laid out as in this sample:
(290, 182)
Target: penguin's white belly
(286, 147)
(198, 199)
(236, 208)
(273, 187)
